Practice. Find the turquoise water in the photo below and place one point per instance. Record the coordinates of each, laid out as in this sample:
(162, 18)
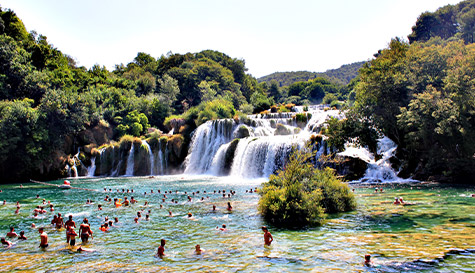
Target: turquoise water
(440, 218)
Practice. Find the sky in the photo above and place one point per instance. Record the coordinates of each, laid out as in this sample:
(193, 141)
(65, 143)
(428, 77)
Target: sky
(271, 36)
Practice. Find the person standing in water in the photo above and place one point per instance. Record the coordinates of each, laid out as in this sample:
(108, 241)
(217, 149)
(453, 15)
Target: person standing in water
(161, 249)
(267, 236)
(85, 231)
(43, 238)
(69, 223)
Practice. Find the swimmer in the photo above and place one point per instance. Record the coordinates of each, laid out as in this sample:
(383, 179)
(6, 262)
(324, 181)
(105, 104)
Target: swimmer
(43, 238)
(99, 207)
(268, 239)
(230, 208)
(136, 220)
(198, 250)
(72, 236)
(214, 207)
(132, 200)
(85, 231)
(69, 223)
(12, 233)
(161, 249)
(22, 236)
(401, 201)
(147, 217)
(59, 221)
(6, 243)
(396, 201)
(170, 213)
(126, 202)
(367, 260)
(116, 220)
(51, 208)
(222, 228)
(82, 249)
(139, 215)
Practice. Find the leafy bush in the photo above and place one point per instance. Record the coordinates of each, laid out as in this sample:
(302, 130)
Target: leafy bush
(301, 195)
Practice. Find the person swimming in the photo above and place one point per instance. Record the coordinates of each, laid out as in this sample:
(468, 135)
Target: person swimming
(6, 243)
(198, 250)
(367, 260)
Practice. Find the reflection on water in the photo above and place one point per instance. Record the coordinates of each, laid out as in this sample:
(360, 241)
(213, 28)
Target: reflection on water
(415, 237)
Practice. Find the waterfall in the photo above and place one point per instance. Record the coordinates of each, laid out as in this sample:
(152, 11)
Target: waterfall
(92, 169)
(266, 142)
(378, 170)
(130, 162)
(205, 143)
(151, 158)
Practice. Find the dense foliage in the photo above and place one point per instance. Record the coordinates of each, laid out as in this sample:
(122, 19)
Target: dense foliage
(422, 96)
(301, 194)
(451, 21)
(340, 76)
(47, 101)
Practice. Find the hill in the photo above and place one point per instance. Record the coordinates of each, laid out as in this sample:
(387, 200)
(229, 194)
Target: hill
(342, 75)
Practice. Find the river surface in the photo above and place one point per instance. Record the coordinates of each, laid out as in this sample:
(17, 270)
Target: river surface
(399, 238)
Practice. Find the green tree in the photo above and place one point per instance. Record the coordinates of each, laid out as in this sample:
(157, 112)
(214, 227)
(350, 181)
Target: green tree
(168, 89)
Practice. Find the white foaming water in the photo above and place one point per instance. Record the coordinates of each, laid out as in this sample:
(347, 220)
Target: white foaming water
(150, 156)
(130, 162)
(92, 169)
(378, 170)
(258, 155)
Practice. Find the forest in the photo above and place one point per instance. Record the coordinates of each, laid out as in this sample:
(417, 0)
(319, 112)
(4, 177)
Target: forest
(418, 92)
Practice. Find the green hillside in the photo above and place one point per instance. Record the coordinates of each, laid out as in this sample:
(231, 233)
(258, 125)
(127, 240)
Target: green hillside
(342, 75)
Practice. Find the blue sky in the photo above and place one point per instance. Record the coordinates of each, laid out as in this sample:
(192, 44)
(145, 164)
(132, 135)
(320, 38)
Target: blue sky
(270, 36)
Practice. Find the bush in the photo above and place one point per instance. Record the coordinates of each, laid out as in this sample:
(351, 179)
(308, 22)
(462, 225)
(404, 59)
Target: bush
(301, 195)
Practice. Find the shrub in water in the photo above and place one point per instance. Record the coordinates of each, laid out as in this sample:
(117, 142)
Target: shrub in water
(301, 194)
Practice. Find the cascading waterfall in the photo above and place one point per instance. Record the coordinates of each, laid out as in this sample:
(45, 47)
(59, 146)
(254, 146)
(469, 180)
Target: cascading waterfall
(378, 170)
(130, 162)
(150, 156)
(262, 156)
(259, 154)
(92, 169)
(206, 142)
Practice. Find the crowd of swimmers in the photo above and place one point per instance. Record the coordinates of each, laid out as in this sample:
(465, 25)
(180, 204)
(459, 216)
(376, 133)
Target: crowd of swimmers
(85, 232)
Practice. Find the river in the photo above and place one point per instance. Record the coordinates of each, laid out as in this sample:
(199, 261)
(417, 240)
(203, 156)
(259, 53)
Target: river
(439, 218)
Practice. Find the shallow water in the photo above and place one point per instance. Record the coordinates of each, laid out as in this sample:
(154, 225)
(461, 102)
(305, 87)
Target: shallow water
(440, 218)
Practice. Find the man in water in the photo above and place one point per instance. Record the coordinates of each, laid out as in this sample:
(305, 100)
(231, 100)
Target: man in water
(161, 249)
(6, 243)
(12, 233)
(59, 221)
(85, 231)
(22, 236)
(198, 250)
(267, 236)
(43, 238)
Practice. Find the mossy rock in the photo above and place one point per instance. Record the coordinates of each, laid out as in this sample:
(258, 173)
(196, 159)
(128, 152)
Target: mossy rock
(242, 132)
(282, 130)
(229, 156)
